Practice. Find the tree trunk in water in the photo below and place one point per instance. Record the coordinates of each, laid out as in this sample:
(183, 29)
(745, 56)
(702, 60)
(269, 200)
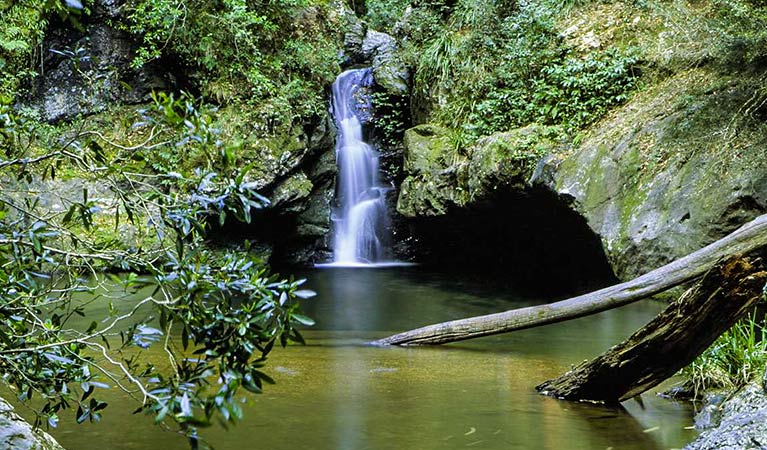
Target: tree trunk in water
(669, 342)
(747, 238)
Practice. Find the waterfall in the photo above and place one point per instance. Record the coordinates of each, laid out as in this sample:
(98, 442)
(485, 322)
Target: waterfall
(360, 220)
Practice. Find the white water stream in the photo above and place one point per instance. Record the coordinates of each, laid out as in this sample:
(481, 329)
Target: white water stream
(360, 220)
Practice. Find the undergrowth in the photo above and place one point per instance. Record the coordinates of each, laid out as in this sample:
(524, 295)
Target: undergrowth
(497, 66)
(737, 357)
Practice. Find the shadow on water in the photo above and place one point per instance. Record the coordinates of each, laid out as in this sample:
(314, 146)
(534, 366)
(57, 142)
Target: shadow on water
(337, 394)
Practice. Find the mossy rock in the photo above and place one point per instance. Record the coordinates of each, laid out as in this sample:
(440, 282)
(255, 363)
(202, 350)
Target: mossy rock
(441, 176)
(17, 434)
(504, 161)
(673, 170)
(289, 194)
(431, 186)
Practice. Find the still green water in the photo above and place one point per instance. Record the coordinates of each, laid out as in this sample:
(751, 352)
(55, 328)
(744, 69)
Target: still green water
(337, 394)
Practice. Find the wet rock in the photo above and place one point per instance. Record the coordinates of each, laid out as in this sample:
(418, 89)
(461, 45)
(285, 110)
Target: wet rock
(389, 70)
(17, 434)
(743, 424)
(363, 46)
(353, 39)
(301, 185)
(375, 42)
(441, 177)
(85, 73)
(708, 417)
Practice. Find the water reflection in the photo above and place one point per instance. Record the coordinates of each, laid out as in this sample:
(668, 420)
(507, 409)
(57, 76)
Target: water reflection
(337, 395)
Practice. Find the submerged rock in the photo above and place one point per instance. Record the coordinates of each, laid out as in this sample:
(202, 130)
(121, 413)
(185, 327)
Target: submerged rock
(743, 424)
(18, 434)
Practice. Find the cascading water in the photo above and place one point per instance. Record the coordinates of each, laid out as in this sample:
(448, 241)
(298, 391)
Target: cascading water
(360, 220)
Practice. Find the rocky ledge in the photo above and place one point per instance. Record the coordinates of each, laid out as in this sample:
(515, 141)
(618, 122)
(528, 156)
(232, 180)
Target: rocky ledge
(741, 424)
(17, 434)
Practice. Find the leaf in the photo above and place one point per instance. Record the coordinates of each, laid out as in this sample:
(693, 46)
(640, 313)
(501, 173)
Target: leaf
(304, 320)
(57, 358)
(161, 414)
(185, 338)
(186, 406)
(87, 391)
(82, 415)
(304, 293)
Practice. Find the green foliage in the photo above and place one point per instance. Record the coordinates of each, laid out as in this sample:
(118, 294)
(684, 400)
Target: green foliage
(383, 14)
(496, 67)
(276, 56)
(574, 92)
(389, 117)
(216, 317)
(24, 24)
(736, 358)
(197, 142)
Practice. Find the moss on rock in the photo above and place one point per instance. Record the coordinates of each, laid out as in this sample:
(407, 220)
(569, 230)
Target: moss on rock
(673, 170)
(441, 175)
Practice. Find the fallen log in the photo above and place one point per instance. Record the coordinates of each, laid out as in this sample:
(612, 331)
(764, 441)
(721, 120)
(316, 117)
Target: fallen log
(745, 239)
(669, 342)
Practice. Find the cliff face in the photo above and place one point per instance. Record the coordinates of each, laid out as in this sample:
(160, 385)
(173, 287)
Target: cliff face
(84, 71)
(671, 171)
(88, 79)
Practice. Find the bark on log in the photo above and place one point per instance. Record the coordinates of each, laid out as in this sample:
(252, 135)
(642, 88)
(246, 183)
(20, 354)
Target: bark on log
(745, 239)
(669, 342)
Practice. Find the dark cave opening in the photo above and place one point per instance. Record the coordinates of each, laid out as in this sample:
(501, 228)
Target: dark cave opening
(530, 239)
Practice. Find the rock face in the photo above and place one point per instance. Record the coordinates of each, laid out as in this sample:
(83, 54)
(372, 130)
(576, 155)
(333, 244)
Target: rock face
(389, 70)
(85, 72)
(297, 173)
(312, 194)
(17, 434)
(671, 171)
(381, 52)
(662, 177)
(480, 209)
(743, 423)
(440, 178)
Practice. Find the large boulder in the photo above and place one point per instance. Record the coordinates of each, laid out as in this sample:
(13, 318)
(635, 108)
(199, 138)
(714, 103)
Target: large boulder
(434, 177)
(379, 50)
(389, 69)
(668, 173)
(18, 434)
(297, 173)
